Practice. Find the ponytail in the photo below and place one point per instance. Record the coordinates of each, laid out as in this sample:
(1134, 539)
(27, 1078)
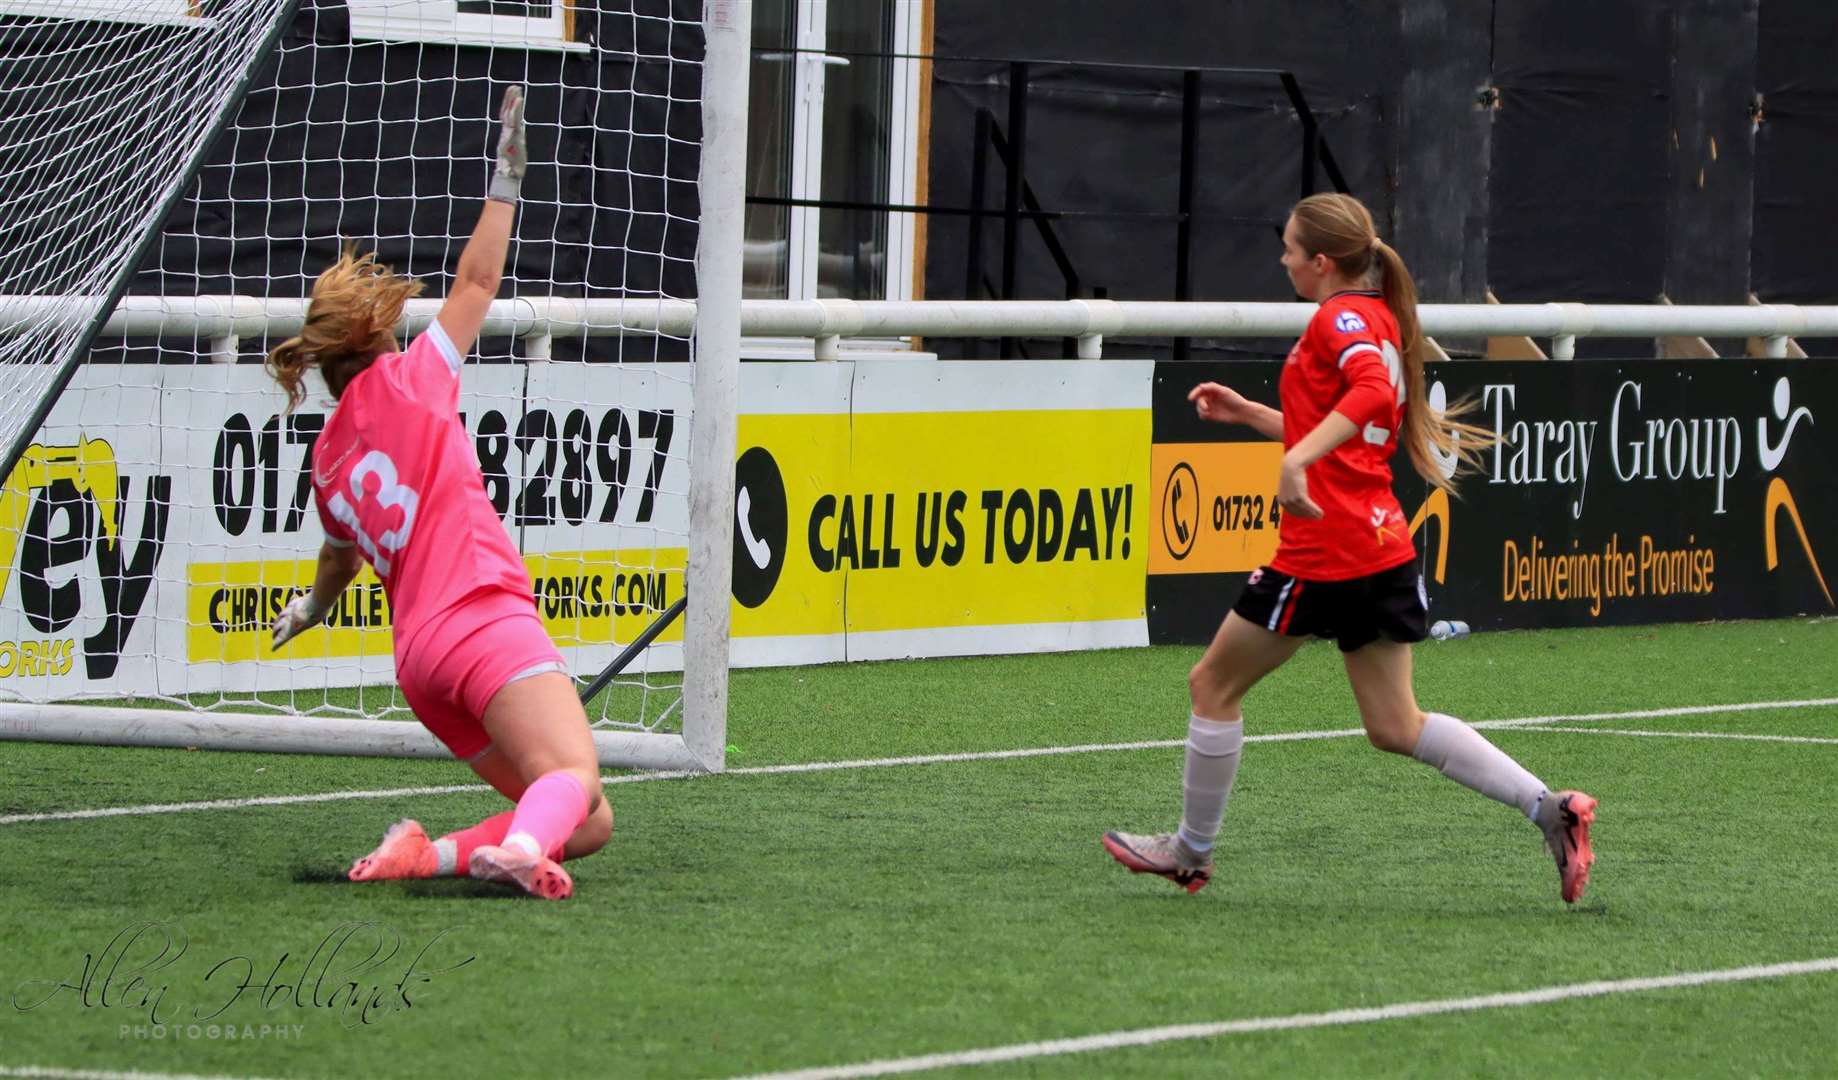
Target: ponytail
(1340, 227)
(356, 305)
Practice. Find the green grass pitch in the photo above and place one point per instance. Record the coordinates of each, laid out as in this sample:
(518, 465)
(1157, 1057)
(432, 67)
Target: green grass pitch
(775, 921)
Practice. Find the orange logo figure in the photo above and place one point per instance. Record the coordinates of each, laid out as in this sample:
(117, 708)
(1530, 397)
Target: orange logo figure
(1437, 507)
(1780, 498)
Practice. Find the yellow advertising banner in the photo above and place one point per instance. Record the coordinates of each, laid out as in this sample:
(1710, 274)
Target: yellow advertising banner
(934, 520)
(880, 522)
(582, 597)
(989, 518)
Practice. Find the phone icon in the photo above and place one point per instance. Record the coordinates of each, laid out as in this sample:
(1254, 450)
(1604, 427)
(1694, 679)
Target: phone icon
(760, 550)
(1178, 534)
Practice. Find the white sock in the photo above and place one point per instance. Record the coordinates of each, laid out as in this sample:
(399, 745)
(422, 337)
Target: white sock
(1213, 749)
(1465, 756)
(446, 858)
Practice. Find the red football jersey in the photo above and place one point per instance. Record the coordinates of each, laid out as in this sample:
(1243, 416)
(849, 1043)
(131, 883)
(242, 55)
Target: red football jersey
(1349, 361)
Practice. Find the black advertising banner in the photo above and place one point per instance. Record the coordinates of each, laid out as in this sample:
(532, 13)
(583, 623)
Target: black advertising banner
(1635, 492)
(1215, 491)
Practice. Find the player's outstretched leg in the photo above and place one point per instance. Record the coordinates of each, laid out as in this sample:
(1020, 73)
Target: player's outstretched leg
(1565, 817)
(406, 852)
(1163, 855)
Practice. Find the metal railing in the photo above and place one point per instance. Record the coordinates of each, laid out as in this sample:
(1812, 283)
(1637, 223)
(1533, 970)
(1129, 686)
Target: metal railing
(536, 321)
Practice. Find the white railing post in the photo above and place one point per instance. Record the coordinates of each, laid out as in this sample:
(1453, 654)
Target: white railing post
(837, 319)
(537, 343)
(1101, 317)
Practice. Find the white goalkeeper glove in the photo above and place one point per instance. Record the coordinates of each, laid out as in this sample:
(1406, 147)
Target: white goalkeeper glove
(301, 613)
(513, 149)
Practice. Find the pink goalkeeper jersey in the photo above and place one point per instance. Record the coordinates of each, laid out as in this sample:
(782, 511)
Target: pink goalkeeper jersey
(395, 473)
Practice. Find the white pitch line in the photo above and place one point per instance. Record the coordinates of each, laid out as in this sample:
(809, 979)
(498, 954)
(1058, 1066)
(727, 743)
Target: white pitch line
(236, 804)
(1740, 736)
(41, 1072)
(1337, 1018)
(1648, 714)
(889, 762)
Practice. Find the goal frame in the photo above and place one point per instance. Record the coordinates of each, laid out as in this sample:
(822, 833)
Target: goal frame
(701, 744)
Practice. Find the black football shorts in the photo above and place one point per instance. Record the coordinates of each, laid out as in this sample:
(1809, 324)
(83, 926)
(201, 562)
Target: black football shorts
(1390, 604)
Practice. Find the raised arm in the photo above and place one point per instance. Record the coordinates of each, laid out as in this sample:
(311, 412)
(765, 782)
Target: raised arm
(481, 263)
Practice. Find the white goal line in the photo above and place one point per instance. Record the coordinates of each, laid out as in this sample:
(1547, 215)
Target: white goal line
(1525, 722)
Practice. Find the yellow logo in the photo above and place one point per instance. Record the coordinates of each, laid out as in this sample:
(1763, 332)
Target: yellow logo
(1437, 507)
(89, 465)
(1780, 498)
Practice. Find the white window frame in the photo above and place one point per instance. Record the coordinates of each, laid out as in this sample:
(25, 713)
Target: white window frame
(441, 22)
(802, 225)
(139, 12)
(903, 149)
(807, 146)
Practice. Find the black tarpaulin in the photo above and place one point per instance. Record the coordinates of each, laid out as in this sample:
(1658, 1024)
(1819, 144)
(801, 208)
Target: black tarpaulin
(1796, 156)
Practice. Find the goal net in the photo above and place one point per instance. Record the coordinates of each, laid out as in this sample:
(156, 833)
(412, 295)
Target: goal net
(175, 174)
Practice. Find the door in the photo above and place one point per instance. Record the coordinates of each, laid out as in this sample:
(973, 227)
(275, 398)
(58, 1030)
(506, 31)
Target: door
(832, 120)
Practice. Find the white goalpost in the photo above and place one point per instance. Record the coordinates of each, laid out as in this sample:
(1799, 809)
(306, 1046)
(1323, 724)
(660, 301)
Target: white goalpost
(155, 515)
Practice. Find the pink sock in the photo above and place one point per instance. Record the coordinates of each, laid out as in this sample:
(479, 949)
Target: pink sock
(454, 850)
(549, 812)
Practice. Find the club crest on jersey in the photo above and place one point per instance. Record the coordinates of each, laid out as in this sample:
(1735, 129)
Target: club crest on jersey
(1349, 322)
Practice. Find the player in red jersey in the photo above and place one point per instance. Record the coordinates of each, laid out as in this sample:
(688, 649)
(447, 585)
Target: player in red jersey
(398, 486)
(1345, 563)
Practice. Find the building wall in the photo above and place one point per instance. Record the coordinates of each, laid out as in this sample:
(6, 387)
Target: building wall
(389, 147)
(1611, 152)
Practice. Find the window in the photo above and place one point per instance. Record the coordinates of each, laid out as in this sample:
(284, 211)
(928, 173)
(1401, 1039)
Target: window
(518, 8)
(833, 105)
(160, 13)
(529, 24)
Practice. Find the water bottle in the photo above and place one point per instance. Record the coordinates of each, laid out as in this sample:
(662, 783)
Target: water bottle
(1446, 630)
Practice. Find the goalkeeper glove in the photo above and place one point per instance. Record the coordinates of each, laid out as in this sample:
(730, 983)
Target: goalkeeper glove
(303, 612)
(513, 150)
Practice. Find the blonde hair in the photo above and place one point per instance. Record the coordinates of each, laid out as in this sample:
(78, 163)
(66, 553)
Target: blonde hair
(1340, 227)
(351, 320)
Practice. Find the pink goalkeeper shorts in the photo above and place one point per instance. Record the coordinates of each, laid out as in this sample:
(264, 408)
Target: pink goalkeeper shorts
(460, 659)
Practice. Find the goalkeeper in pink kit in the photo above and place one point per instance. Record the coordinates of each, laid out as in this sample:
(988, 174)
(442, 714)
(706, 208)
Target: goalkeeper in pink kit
(397, 484)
